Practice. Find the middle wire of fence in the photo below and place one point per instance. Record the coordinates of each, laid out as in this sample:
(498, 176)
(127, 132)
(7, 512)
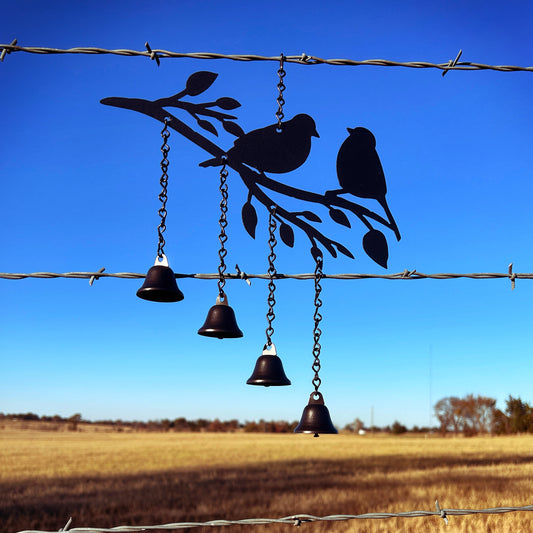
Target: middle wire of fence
(405, 275)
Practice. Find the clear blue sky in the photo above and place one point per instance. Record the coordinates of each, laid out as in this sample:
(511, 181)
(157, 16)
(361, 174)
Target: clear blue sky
(79, 192)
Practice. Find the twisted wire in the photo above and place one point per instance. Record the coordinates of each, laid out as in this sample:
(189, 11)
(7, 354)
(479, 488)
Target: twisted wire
(301, 59)
(405, 275)
(296, 520)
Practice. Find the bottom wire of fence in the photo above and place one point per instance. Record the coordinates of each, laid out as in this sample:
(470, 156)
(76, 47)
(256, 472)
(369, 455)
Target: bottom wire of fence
(295, 520)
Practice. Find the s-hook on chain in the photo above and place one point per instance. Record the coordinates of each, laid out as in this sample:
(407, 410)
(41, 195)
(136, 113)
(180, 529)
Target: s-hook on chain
(165, 148)
(317, 317)
(271, 273)
(223, 224)
(281, 88)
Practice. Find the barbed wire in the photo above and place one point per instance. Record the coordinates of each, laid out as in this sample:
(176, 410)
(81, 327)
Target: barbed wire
(295, 520)
(301, 59)
(405, 275)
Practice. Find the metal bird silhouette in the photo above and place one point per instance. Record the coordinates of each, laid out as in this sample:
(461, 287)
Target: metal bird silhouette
(359, 170)
(272, 150)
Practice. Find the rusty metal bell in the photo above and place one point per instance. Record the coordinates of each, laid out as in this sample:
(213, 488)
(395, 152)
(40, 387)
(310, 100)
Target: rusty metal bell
(160, 284)
(315, 417)
(268, 370)
(220, 321)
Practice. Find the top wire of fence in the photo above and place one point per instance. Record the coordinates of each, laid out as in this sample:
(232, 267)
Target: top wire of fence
(301, 59)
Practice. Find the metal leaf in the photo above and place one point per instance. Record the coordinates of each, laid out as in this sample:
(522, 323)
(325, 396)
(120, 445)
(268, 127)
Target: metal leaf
(249, 218)
(343, 250)
(339, 217)
(330, 248)
(199, 82)
(316, 252)
(309, 215)
(375, 246)
(206, 125)
(227, 103)
(287, 234)
(233, 128)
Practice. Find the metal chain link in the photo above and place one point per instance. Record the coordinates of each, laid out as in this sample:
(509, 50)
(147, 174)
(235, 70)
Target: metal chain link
(223, 224)
(165, 148)
(317, 317)
(272, 272)
(281, 88)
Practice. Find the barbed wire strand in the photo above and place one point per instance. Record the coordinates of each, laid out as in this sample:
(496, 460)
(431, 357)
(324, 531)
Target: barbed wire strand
(301, 59)
(405, 275)
(295, 520)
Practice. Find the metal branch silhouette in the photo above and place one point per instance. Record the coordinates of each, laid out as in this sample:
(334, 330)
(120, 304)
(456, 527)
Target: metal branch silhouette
(280, 150)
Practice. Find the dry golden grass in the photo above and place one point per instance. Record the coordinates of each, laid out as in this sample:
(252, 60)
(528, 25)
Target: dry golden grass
(110, 479)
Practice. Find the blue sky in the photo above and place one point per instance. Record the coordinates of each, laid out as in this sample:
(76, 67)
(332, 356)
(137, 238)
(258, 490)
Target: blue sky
(79, 192)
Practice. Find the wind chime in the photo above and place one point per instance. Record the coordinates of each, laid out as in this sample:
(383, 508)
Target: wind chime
(268, 369)
(279, 148)
(315, 417)
(220, 321)
(160, 282)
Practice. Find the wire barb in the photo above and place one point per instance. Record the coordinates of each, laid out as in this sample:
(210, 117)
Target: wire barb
(512, 276)
(441, 512)
(153, 55)
(95, 276)
(243, 275)
(6, 50)
(67, 525)
(452, 63)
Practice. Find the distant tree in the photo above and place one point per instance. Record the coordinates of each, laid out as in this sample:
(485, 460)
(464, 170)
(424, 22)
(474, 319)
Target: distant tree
(398, 429)
(181, 424)
(202, 423)
(470, 415)
(73, 422)
(519, 414)
(231, 425)
(500, 423)
(355, 426)
(251, 427)
(216, 425)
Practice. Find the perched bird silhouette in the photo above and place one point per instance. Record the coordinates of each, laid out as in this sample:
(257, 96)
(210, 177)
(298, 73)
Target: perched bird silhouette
(271, 150)
(359, 170)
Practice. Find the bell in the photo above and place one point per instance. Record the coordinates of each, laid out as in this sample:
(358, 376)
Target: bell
(220, 321)
(160, 284)
(315, 417)
(268, 370)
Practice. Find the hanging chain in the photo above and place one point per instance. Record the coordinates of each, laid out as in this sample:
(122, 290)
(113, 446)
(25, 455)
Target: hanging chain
(223, 224)
(165, 148)
(317, 317)
(272, 272)
(281, 88)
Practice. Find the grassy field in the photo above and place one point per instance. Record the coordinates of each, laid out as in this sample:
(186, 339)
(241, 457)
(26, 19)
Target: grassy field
(111, 479)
